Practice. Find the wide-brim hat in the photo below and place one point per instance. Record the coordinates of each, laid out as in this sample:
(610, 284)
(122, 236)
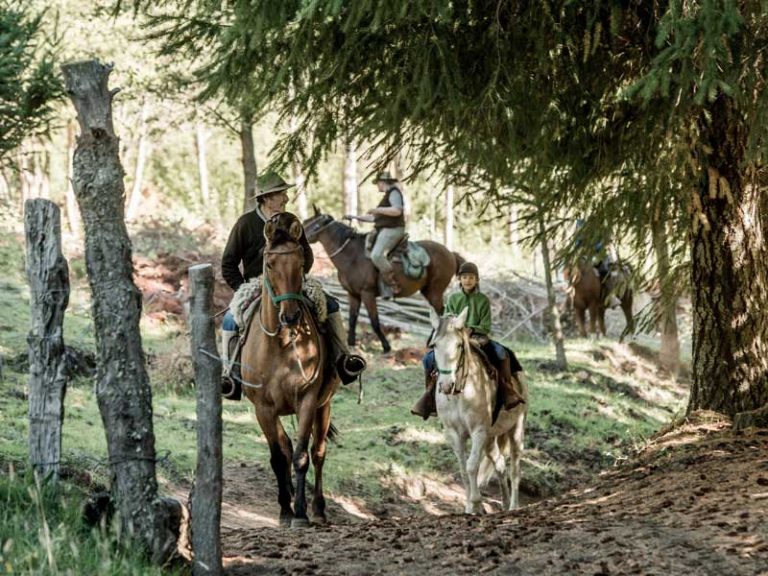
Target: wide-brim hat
(270, 183)
(384, 177)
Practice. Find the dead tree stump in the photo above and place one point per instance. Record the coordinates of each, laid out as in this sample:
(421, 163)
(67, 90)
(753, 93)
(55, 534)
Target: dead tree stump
(48, 277)
(122, 384)
(206, 497)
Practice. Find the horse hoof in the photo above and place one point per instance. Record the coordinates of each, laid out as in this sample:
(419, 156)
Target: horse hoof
(321, 520)
(300, 523)
(285, 521)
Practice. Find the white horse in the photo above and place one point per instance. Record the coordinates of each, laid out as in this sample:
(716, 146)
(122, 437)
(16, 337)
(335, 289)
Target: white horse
(465, 398)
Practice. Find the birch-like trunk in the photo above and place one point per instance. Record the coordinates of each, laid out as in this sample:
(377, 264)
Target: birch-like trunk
(449, 200)
(142, 151)
(250, 172)
(553, 312)
(202, 163)
(351, 193)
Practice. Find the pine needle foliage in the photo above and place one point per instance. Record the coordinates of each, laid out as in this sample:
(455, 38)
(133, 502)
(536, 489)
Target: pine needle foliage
(29, 83)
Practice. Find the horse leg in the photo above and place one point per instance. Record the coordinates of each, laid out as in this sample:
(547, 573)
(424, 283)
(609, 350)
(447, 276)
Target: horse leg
(601, 319)
(581, 321)
(306, 417)
(626, 307)
(319, 444)
(354, 311)
(475, 503)
(276, 440)
(459, 445)
(593, 319)
(434, 297)
(369, 299)
(516, 436)
(495, 455)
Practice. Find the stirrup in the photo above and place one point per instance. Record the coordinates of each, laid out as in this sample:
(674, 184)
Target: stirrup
(231, 388)
(349, 367)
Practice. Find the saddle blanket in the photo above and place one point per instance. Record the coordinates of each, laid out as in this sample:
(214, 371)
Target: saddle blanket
(246, 300)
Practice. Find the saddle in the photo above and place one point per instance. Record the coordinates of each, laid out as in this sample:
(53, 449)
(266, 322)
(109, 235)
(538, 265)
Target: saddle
(413, 257)
(494, 374)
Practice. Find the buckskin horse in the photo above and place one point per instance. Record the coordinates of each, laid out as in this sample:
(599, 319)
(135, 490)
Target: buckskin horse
(359, 277)
(465, 398)
(589, 293)
(284, 371)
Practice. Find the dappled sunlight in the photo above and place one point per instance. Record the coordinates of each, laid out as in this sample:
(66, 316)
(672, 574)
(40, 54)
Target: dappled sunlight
(420, 435)
(352, 506)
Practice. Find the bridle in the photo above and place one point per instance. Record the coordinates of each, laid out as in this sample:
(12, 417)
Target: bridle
(277, 298)
(343, 245)
(459, 372)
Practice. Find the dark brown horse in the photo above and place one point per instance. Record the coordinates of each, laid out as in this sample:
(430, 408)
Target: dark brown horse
(283, 362)
(359, 276)
(589, 293)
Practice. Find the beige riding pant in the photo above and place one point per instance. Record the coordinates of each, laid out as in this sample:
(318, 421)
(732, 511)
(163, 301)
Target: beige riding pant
(386, 240)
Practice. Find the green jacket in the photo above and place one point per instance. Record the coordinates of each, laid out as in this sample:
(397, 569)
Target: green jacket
(479, 316)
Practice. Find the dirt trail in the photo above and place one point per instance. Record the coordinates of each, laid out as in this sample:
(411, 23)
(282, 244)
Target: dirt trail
(695, 501)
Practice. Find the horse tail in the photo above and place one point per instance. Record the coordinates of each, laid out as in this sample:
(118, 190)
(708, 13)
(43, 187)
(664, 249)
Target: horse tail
(459, 261)
(333, 433)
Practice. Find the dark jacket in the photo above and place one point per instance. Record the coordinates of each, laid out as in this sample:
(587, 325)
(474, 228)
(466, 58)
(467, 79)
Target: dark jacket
(246, 244)
(380, 221)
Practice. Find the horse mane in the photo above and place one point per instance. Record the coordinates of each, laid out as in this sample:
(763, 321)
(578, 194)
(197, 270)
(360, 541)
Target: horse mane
(341, 232)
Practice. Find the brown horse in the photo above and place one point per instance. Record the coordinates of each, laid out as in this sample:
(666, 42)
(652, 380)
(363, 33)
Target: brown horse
(589, 293)
(283, 370)
(359, 276)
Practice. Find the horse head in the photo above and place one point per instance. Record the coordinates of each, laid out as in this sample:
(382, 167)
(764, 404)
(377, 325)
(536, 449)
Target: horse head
(449, 340)
(284, 265)
(316, 223)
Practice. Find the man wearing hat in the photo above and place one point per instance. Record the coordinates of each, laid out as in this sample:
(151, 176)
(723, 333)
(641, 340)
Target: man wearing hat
(389, 221)
(479, 322)
(245, 246)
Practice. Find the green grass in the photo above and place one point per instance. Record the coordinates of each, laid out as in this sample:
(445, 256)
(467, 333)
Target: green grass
(580, 420)
(41, 532)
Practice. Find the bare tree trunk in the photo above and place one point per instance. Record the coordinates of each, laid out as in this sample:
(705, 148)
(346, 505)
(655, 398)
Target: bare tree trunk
(351, 193)
(301, 192)
(73, 216)
(729, 270)
(449, 195)
(669, 355)
(250, 171)
(122, 385)
(5, 188)
(553, 312)
(513, 232)
(142, 151)
(202, 164)
(206, 497)
(48, 276)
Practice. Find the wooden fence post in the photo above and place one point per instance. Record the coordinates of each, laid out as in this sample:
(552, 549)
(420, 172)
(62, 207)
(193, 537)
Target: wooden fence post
(206, 497)
(48, 277)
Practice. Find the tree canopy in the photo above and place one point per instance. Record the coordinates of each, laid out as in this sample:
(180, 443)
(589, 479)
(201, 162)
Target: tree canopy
(29, 82)
(645, 112)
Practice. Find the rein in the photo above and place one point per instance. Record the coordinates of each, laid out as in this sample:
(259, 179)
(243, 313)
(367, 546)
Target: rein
(344, 245)
(276, 299)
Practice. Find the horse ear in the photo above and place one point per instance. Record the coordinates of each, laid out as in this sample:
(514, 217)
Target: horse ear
(461, 319)
(295, 230)
(434, 318)
(316, 209)
(269, 229)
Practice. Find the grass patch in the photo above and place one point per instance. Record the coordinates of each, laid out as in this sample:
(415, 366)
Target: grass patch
(41, 532)
(580, 420)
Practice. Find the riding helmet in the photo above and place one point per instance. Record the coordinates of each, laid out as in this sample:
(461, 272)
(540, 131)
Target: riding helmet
(468, 268)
